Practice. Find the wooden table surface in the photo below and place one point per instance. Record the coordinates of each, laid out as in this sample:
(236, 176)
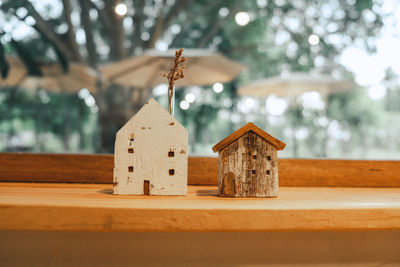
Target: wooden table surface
(92, 207)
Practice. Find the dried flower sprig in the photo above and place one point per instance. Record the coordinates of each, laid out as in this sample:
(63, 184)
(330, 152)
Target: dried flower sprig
(177, 72)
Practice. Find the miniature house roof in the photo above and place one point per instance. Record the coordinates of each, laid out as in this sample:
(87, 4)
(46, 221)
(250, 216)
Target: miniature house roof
(154, 114)
(245, 129)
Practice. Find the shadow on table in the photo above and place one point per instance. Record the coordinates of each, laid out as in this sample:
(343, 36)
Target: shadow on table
(107, 191)
(207, 192)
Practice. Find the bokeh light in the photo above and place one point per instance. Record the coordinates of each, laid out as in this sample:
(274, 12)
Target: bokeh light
(218, 87)
(190, 97)
(313, 39)
(121, 9)
(242, 18)
(184, 105)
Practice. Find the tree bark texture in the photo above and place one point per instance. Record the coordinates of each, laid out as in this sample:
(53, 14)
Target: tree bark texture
(115, 30)
(117, 104)
(248, 167)
(70, 32)
(46, 30)
(88, 28)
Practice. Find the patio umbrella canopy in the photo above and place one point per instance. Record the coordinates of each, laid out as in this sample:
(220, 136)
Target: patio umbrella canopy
(16, 74)
(54, 78)
(295, 84)
(204, 67)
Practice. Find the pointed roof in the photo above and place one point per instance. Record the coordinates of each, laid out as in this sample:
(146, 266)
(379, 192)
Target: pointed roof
(247, 128)
(152, 111)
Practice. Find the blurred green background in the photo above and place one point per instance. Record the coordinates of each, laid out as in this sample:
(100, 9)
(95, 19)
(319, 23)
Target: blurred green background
(354, 40)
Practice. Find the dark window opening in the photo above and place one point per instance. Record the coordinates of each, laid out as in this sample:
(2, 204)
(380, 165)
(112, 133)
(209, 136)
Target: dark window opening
(130, 169)
(268, 157)
(171, 171)
(171, 154)
(253, 171)
(254, 156)
(268, 172)
(130, 150)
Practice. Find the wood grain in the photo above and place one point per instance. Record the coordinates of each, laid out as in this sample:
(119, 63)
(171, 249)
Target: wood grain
(245, 129)
(97, 168)
(248, 167)
(66, 168)
(340, 173)
(91, 207)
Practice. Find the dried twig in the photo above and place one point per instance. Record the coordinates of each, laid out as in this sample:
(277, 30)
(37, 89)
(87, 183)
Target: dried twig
(176, 73)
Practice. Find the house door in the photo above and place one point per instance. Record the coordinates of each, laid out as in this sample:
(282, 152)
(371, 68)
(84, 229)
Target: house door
(228, 185)
(146, 187)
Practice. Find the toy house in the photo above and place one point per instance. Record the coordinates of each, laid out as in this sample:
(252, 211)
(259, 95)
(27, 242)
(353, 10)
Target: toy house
(151, 154)
(248, 163)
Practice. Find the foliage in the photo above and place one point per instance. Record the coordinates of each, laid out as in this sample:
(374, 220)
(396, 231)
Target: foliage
(274, 41)
(45, 113)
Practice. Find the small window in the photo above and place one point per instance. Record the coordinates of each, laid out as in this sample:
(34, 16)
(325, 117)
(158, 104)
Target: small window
(130, 169)
(171, 171)
(254, 156)
(171, 154)
(130, 150)
(253, 171)
(268, 172)
(268, 157)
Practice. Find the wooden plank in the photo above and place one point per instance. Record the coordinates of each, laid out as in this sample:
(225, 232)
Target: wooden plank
(202, 171)
(84, 168)
(279, 249)
(92, 207)
(340, 173)
(98, 168)
(67, 168)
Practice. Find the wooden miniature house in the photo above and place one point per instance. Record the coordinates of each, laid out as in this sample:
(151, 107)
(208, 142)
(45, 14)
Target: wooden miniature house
(248, 163)
(151, 154)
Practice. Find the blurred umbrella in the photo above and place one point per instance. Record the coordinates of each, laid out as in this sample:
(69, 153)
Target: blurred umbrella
(295, 84)
(204, 67)
(53, 77)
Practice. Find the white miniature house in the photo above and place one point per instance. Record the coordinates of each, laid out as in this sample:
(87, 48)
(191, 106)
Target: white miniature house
(150, 156)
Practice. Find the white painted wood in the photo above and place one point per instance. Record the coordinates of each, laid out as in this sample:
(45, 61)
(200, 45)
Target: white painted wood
(152, 133)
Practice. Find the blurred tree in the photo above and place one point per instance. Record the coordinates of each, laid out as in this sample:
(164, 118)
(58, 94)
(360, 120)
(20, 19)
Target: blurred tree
(4, 66)
(45, 113)
(275, 39)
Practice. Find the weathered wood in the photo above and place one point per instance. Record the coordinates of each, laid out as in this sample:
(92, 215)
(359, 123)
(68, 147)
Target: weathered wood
(98, 168)
(151, 154)
(79, 207)
(248, 168)
(228, 185)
